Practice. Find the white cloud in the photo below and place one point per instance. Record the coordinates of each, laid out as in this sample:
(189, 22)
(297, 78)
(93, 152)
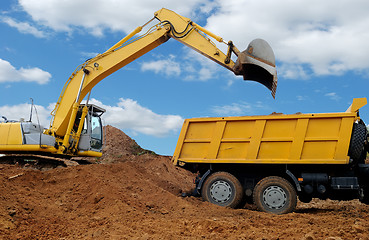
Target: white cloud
(89, 54)
(301, 98)
(128, 114)
(98, 15)
(199, 67)
(9, 73)
(23, 110)
(308, 37)
(233, 109)
(293, 71)
(192, 65)
(333, 96)
(24, 27)
(312, 34)
(168, 67)
(236, 109)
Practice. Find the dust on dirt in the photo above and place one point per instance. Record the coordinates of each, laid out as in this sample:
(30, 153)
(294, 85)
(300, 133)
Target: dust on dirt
(132, 193)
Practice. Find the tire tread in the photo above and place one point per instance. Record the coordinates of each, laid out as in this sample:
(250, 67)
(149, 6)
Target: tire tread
(228, 177)
(268, 181)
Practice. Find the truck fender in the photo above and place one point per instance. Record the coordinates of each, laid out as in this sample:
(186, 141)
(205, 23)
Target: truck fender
(202, 180)
(294, 179)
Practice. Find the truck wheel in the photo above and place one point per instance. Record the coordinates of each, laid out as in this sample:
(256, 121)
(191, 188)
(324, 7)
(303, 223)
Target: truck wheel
(223, 189)
(275, 195)
(357, 143)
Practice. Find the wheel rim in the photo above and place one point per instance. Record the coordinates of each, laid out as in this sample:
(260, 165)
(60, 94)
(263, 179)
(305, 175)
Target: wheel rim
(220, 191)
(274, 197)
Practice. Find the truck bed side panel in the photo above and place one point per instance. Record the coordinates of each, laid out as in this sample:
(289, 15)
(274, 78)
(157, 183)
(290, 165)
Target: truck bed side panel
(278, 139)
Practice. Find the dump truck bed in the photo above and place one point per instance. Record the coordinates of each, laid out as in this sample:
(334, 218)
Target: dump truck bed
(321, 138)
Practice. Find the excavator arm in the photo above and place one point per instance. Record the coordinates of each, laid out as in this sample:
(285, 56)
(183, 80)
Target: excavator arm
(173, 26)
(255, 63)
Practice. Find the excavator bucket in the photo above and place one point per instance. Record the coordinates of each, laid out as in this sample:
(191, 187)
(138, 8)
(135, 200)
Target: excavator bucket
(257, 63)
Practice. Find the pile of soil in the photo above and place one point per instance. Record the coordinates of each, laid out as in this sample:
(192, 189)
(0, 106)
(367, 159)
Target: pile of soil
(135, 194)
(118, 146)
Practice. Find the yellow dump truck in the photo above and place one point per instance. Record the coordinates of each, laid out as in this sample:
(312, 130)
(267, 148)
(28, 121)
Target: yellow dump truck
(273, 160)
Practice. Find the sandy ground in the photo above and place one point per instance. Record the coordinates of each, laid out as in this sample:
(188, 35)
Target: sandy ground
(133, 194)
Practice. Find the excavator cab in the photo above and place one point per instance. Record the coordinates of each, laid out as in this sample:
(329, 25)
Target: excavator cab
(91, 139)
(257, 63)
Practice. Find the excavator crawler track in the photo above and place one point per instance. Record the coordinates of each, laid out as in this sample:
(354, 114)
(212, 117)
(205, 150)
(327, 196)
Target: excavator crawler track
(39, 162)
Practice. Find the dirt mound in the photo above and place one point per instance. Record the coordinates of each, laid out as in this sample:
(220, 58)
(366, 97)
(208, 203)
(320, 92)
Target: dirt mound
(138, 197)
(118, 146)
(87, 201)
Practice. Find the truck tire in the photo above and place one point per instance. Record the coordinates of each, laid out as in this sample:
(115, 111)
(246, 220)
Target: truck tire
(275, 195)
(357, 150)
(223, 189)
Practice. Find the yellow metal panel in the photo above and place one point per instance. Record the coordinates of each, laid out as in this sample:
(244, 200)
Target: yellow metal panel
(266, 161)
(10, 133)
(200, 130)
(27, 148)
(280, 128)
(89, 154)
(274, 150)
(180, 142)
(344, 139)
(319, 150)
(238, 129)
(216, 138)
(233, 150)
(298, 140)
(15, 134)
(323, 127)
(194, 150)
(4, 133)
(357, 103)
(255, 140)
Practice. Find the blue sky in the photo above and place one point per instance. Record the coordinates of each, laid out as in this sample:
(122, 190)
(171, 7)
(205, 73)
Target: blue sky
(321, 50)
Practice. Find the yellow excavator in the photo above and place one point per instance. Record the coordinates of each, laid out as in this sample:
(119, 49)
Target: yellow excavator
(76, 128)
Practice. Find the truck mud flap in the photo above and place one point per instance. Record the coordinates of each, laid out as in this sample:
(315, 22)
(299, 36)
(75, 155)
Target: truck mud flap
(297, 184)
(200, 182)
